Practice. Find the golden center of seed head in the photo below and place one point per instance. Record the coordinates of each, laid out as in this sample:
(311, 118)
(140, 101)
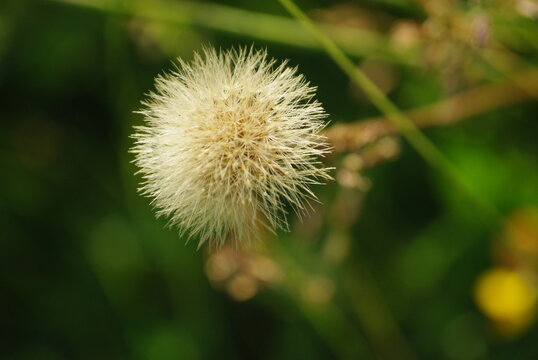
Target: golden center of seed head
(243, 120)
(240, 122)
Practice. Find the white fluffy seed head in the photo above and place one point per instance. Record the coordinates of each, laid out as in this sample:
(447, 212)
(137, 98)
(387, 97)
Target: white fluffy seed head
(230, 139)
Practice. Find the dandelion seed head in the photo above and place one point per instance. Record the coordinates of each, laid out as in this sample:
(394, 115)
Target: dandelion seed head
(229, 139)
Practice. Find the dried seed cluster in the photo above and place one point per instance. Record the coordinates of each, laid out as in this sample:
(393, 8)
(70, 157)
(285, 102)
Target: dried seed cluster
(229, 139)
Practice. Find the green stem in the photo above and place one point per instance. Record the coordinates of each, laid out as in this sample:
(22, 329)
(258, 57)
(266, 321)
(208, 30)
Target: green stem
(255, 25)
(409, 130)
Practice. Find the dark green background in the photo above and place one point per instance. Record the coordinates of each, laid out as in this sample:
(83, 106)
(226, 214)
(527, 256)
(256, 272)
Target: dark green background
(87, 272)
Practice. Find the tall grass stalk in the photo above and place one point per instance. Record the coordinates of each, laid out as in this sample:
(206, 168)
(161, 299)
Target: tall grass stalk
(408, 129)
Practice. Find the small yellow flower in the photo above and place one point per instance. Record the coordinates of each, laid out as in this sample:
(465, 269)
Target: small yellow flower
(229, 139)
(506, 297)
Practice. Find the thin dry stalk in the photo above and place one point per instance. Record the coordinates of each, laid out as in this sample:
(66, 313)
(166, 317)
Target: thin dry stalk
(476, 101)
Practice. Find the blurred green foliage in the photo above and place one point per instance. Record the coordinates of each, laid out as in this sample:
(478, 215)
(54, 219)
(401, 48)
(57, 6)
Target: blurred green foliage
(384, 271)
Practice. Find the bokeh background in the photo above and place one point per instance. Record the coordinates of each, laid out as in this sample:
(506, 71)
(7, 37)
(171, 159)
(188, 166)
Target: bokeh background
(396, 263)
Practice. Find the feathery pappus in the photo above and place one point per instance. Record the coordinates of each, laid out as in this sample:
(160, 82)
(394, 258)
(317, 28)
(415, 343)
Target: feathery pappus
(229, 139)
